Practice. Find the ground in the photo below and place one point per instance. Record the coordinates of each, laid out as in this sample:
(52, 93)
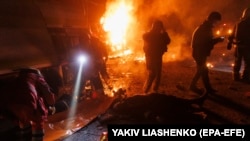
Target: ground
(229, 106)
(232, 97)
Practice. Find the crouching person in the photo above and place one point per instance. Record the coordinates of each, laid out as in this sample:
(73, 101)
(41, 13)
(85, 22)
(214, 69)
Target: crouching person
(30, 98)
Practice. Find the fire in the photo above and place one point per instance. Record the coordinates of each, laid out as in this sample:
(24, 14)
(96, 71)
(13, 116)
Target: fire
(173, 56)
(124, 52)
(116, 22)
(229, 31)
(209, 65)
(140, 59)
(218, 32)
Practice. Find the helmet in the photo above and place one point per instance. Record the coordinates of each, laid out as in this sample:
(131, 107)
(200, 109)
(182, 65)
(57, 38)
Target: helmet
(246, 13)
(214, 16)
(29, 70)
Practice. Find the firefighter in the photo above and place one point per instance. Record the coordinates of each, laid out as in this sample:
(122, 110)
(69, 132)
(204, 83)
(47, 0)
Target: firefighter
(241, 39)
(202, 44)
(29, 99)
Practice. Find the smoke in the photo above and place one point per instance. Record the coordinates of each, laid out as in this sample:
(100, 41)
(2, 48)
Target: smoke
(180, 19)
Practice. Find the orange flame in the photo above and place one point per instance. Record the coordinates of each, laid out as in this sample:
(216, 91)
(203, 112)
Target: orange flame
(218, 32)
(229, 31)
(115, 22)
(209, 65)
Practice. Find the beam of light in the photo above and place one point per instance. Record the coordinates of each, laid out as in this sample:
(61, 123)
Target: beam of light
(76, 91)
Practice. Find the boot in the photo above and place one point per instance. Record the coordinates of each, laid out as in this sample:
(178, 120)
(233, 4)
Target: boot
(236, 76)
(246, 77)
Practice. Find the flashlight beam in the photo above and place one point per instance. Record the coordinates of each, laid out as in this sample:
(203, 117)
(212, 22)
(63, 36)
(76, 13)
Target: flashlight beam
(76, 93)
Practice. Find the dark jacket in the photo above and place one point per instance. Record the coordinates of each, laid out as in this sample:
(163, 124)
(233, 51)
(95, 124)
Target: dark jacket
(203, 41)
(155, 44)
(242, 33)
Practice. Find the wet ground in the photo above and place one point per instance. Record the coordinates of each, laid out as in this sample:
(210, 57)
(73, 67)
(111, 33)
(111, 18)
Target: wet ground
(230, 105)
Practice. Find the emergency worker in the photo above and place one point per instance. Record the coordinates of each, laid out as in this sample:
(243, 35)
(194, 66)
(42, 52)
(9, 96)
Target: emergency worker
(202, 44)
(155, 45)
(29, 99)
(240, 37)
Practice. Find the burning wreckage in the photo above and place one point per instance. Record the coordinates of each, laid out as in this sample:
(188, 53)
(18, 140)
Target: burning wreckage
(151, 108)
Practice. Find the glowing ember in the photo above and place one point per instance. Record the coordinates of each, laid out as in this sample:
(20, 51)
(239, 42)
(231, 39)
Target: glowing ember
(210, 65)
(218, 32)
(127, 52)
(140, 59)
(116, 22)
(173, 56)
(229, 31)
(122, 53)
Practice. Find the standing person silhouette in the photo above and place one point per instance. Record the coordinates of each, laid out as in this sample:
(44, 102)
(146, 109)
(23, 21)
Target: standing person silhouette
(155, 45)
(241, 39)
(202, 44)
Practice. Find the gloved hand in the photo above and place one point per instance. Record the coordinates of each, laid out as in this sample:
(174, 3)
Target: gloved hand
(52, 110)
